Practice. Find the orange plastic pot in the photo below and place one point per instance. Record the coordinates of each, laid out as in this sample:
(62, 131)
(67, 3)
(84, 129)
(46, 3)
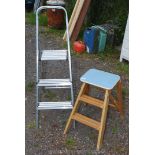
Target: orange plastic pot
(79, 47)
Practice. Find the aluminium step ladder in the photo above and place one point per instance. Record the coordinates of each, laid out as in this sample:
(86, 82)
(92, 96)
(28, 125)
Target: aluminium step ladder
(53, 55)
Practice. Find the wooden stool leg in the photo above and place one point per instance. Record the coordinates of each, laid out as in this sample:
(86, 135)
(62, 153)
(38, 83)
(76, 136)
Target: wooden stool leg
(87, 89)
(86, 92)
(103, 120)
(119, 95)
(75, 108)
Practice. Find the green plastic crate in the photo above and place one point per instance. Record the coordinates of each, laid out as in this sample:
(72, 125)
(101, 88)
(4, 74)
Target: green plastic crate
(102, 40)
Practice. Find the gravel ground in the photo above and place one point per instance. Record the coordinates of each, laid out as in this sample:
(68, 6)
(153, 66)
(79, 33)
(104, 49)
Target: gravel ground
(49, 138)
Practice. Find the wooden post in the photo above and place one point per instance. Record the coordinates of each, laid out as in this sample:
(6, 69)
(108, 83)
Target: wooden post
(80, 20)
(72, 17)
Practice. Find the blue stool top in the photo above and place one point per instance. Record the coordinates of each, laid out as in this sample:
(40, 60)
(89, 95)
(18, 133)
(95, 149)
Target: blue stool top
(100, 79)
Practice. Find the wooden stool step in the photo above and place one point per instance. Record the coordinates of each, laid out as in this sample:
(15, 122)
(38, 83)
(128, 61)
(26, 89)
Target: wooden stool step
(97, 102)
(87, 121)
(91, 100)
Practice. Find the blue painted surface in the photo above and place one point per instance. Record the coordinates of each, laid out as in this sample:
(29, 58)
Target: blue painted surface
(100, 78)
(89, 36)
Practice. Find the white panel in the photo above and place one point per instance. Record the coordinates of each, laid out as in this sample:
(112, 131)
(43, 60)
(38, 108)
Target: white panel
(125, 46)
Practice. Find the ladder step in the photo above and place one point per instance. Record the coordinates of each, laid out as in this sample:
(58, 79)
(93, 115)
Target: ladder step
(55, 83)
(92, 101)
(54, 55)
(87, 121)
(55, 105)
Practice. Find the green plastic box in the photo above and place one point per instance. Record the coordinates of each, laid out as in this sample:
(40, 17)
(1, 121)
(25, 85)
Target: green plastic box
(102, 40)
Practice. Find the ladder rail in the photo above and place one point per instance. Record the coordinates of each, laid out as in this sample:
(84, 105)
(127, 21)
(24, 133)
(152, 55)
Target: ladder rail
(37, 37)
(36, 5)
(37, 47)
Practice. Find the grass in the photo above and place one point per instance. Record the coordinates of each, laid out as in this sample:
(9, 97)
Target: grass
(114, 129)
(70, 143)
(30, 18)
(110, 55)
(30, 86)
(50, 95)
(113, 55)
(125, 91)
(68, 98)
(122, 67)
(56, 32)
(31, 125)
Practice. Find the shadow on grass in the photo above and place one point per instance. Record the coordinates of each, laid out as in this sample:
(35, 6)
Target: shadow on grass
(70, 143)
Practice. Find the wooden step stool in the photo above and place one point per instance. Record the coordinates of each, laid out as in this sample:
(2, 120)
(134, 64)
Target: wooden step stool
(106, 81)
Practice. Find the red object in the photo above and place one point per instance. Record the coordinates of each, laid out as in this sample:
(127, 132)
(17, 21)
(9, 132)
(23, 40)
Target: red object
(55, 18)
(79, 46)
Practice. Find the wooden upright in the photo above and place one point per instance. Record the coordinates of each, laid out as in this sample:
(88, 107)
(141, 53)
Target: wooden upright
(77, 18)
